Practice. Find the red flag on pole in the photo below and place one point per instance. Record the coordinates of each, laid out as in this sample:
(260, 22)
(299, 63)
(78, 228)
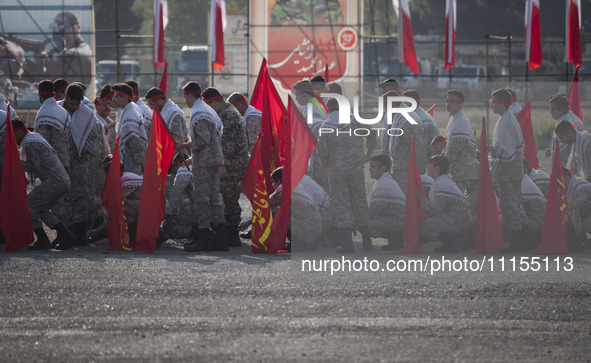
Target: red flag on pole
(533, 34)
(326, 74)
(573, 52)
(450, 34)
(574, 98)
(555, 223)
(160, 22)
(152, 199)
(112, 197)
(266, 99)
(164, 79)
(299, 146)
(15, 216)
(489, 235)
(406, 41)
(431, 110)
(217, 25)
(530, 152)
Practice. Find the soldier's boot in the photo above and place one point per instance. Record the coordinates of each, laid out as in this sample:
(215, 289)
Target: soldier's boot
(449, 242)
(365, 236)
(394, 243)
(232, 237)
(42, 242)
(221, 240)
(517, 243)
(345, 241)
(247, 234)
(66, 238)
(162, 237)
(2, 240)
(529, 239)
(203, 241)
(79, 229)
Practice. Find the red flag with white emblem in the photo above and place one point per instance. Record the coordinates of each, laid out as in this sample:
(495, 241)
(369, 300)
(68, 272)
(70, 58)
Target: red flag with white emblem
(450, 34)
(533, 34)
(406, 42)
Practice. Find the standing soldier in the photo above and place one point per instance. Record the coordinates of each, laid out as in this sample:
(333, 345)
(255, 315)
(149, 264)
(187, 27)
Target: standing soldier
(142, 107)
(560, 110)
(207, 155)
(251, 118)
(38, 157)
(173, 116)
(131, 130)
(102, 106)
(84, 142)
(235, 161)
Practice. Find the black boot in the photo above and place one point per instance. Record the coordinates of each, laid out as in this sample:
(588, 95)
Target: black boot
(79, 229)
(394, 243)
(517, 244)
(367, 244)
(221, 240)
(65, 236)
(42, 242)
(449, 242)
(162, 237)
(345, 241)
(2, 240)
(232, 237)
(203, 241)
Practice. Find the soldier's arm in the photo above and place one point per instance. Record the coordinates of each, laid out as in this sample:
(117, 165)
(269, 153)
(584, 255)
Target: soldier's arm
(45, 131)
(178, 129)
(200, 136)
(582, 199)
(176, 196)
(33, 159)
(253, 128)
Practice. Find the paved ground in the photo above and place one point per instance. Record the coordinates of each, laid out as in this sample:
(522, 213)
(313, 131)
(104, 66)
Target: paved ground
(89, 304)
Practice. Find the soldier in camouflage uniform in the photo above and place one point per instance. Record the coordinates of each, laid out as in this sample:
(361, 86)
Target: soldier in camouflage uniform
(39, 158)
(342, 155)
(534, 204)
(449, 215)
(251, 118)
(178, 216)
(144, 110)
(84, 142)
(173, 116)
(398, 147)
(235, 161)
(207, 155)
(133, 138)
(540, 179)
(429, 130)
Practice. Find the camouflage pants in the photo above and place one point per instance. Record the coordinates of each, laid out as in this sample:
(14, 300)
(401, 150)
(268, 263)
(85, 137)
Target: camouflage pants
(179, 226)
(80, 189)
(430, 228)
(349, 200)
(231, 193)
(209, 206)
(510, 205)
(400, 176)
(43, 198)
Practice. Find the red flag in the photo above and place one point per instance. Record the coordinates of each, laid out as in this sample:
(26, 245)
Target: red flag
(450, 34)
(217, 25)
(406, 41)
(160, 22)
(326, 74)
(533, 35)
(152, 199)
(112, 197)
(530, 152)
(255, 190)
(164, 79)
(574, 99)
(573, 33)
(299, 146)
(555, 225)
(489, 235)
(272, 122)
(431, 110)
(15, 216)
(413, 215)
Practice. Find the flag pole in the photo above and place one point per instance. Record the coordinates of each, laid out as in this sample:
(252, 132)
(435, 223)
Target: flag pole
(212, 75)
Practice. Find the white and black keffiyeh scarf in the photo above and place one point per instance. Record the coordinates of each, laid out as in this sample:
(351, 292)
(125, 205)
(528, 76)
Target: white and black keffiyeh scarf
(51, 113)
(82, 123)
(201, 111)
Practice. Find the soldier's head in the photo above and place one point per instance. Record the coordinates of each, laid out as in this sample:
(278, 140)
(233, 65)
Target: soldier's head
(102, 108)
(387, 85)
(302, 92)
(439, 143)
(391, 94)
(277, 177)
(332, 105)
(214, 99)
(134, 87)
(74, 95)
(501, 100)
(191, 93)
(334, 87)
(106, 96)
(513, 94)
(566, 132)
(378, 165)
(319, 84)
(20, 129)
(59, 87)
(239, 101)
(454, 101)
(414, 94)
(156, 98)
(559, 105)
(122, 95)
(45, 90)
(438, 165)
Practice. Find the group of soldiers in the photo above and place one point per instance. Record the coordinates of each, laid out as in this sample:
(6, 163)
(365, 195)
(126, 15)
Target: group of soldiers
(450, 180)
(67, 154)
